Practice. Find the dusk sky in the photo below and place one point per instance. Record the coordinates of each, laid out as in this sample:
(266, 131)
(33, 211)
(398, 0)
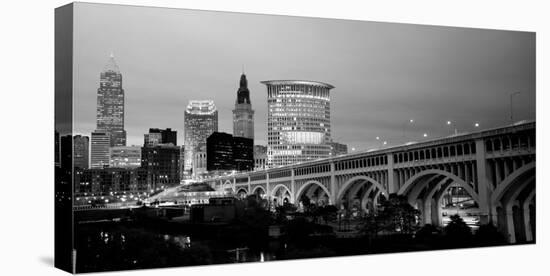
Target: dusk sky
(384, 74)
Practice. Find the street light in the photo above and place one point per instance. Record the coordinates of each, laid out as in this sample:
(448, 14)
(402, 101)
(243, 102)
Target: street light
(405, 125)
(450, 123)
(512, 105)
(476, 125)
(425, 135)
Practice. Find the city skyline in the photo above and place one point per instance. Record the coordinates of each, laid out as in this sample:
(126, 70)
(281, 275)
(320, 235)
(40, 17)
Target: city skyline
(426, 73)
(364, 137)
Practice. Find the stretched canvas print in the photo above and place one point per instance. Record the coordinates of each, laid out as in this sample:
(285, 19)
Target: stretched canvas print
(187, 137)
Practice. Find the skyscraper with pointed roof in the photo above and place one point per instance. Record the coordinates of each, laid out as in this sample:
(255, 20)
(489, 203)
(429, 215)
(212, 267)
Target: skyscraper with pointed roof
(243, 115)
(110, 103)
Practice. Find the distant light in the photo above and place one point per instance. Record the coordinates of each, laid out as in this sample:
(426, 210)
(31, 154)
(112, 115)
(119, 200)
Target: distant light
(352, 149)
(448, 122)
(425, 135)
(411, 120)
(377, 138)
(385, 142)
(476, 124)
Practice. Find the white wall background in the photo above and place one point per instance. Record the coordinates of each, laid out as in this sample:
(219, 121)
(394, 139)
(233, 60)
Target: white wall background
(26, 170)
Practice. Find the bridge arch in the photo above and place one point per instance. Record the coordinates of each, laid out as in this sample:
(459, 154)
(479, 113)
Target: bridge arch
(362, 193)
(416, 180)
(259, 190)
(513, 204)
(285, 189)
(306, 186)
(510, 181)
(242, 192)
(352, 180)
(425, 191)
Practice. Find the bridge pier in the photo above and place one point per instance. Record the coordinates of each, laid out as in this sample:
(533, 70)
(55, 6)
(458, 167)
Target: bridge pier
(484, 188)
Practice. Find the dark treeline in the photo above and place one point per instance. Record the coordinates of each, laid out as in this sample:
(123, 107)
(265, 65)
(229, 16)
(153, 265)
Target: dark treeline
(145, 242)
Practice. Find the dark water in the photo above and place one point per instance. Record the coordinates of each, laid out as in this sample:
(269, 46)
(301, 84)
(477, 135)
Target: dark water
(105, 246)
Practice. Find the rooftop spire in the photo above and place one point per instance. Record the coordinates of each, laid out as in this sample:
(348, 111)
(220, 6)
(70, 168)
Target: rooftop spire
(243, 95)
(111, 64)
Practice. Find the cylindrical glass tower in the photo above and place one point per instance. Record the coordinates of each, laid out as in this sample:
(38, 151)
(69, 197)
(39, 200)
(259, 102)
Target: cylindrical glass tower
(298, 121)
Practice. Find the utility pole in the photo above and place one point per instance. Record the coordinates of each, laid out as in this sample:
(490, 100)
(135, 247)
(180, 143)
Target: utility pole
(512, 105)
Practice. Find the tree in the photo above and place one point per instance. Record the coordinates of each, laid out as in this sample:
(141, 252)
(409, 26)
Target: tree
(427, 233)
(488, 235)
(395, 215)
(328, 213)
(457, 231)
(281, 212)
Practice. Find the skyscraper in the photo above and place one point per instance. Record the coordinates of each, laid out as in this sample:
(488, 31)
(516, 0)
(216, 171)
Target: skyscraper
(201, 120)
(81, 152)
(298, 121)
(100, 149)
(225, 152)
(110, 104)
(219, 152)
(243, 115)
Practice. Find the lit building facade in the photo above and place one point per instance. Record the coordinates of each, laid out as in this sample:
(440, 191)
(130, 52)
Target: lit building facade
(199, 164)
(298, 121)
(243, 115)
(125, 157)
(161, 164)
(81, 151)
(96, 182)
(110, 104)
(225, 152)
(243, 154)
(260, 157)
(101, 142)
(219, 152)
(161, 136)
(338, 148)
(201, 120)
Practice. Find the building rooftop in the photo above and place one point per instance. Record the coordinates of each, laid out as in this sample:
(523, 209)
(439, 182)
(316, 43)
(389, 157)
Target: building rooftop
(201, 107)
(290, 82)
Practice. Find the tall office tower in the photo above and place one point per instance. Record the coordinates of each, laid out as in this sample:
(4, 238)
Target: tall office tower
(201, 120)
(81, 151)
(298, 121)
(110, 104)
(243, 115)
(101, 141)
